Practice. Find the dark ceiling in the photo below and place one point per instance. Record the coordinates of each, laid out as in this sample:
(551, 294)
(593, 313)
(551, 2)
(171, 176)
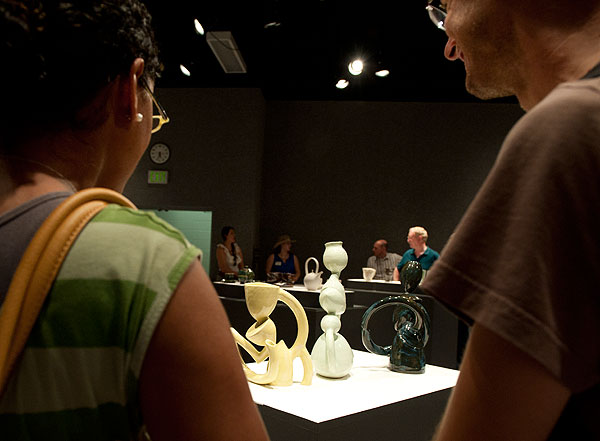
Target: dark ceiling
(304, 57)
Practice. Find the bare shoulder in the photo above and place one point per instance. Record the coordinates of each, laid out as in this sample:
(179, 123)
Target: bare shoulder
(192, 381)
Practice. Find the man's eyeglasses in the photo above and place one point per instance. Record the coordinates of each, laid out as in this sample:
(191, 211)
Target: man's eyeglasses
(161, 118)
(437, 13)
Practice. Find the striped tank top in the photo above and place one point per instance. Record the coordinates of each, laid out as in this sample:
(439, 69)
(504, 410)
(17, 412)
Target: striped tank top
(78, 375)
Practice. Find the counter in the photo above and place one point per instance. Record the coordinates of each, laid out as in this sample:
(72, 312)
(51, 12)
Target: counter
(235, 290)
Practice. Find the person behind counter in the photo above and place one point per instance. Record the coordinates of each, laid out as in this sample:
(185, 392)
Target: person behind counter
(229, 254)
(419, 251)
(382, 261)
(132, 333)
(282, 260)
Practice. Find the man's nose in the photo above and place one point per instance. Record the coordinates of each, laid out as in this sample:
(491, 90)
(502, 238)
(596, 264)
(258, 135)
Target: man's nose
(450, 51)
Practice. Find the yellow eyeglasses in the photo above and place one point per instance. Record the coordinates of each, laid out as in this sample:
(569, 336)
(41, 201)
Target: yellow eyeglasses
(161, 118)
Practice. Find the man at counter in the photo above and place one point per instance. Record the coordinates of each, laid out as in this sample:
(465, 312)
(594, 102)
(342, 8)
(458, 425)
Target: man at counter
(419, 251)
(383, 262)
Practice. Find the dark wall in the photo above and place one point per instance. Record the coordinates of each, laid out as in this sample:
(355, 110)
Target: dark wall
(216, 138)
(358, 171)
(322, 171)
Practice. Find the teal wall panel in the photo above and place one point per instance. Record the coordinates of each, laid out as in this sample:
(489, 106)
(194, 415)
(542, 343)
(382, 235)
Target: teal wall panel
(197, 227)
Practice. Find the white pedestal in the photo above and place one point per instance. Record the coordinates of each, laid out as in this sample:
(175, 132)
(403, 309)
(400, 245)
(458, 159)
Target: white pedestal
(372, 402)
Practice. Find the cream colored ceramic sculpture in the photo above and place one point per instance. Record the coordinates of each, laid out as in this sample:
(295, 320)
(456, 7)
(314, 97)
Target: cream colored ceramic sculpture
(261, 299)
(331, 354)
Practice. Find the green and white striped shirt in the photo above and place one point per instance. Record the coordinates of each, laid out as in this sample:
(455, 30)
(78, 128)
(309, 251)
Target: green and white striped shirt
(78, 375)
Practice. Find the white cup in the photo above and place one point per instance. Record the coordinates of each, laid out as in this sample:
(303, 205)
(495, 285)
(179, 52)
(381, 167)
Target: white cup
(368, 273)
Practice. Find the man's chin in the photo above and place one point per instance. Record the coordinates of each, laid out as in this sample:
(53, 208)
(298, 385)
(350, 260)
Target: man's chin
(486, 92)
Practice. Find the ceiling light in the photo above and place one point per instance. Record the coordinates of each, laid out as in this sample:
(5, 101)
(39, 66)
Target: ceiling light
(382, 73)
(342, 84)
(184, 70)
(198, 27)
(273, 24)
(356, 67)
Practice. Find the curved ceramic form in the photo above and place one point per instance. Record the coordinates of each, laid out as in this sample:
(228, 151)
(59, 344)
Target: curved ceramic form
(335, 257)
(261, 299)
(412, 323)
(332, 354)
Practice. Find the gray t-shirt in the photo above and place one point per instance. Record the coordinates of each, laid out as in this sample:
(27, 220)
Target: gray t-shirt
(525, 259)
(17, 228)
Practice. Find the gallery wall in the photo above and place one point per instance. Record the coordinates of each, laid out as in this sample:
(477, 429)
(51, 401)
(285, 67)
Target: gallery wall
(358, 171)
(216, 141)
(321, 171)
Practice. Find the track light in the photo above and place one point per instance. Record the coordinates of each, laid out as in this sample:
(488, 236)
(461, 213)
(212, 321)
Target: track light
(198, 26)
(342, 84)
(356, 67)
(184, 70)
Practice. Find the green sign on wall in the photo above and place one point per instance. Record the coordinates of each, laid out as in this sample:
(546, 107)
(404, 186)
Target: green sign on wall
(158, 176)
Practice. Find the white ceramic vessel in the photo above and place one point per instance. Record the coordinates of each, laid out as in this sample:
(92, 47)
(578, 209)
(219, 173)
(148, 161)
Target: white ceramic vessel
(331, 354)
(312, 279)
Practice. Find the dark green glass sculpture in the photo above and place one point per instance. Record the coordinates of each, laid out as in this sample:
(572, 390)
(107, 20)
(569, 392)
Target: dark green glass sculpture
(411, 323)
(411, 275)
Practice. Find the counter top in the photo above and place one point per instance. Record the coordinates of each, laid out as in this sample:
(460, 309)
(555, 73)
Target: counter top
(304, 296)
(295, 287)
(385, 282)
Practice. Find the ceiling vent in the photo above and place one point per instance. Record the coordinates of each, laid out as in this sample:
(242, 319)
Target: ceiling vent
(223, 46)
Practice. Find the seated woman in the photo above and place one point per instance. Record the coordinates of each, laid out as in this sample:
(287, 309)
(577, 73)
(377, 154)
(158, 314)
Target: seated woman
(282, 261)
(229, 254)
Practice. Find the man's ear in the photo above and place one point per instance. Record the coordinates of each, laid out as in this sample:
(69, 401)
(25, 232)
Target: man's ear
(127, 93)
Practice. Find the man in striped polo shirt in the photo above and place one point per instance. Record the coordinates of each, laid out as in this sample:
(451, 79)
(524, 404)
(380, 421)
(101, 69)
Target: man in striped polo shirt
(383, 262)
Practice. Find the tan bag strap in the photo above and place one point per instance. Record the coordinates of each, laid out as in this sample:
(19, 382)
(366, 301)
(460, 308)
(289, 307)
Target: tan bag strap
(39, 266)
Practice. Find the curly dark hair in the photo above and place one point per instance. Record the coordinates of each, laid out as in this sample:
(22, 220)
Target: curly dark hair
(58, 55)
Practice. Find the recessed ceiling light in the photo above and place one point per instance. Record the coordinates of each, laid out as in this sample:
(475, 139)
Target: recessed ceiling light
(382, 73)
(198, 27)
(356, 67)
(184, 70)
(273, 24)
(342, 84)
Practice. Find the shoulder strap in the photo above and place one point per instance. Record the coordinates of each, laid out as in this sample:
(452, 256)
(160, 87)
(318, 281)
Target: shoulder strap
(39, 266)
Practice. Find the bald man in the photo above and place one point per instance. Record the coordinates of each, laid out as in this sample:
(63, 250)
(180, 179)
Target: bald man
(383, 262)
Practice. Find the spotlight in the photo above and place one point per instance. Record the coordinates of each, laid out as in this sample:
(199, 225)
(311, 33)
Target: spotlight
(356, 67)
(342, 84)
(184, 70)
(382, 73)
(198, 27)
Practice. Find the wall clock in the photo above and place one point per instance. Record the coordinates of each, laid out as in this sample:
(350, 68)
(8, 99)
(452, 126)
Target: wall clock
(160, 153)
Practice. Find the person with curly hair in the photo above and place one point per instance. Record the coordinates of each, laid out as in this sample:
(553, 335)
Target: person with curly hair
(132, 338)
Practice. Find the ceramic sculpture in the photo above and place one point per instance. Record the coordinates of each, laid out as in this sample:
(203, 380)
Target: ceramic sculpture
(261, 299)
(411, 322)
(312, 279)
(331, 354)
